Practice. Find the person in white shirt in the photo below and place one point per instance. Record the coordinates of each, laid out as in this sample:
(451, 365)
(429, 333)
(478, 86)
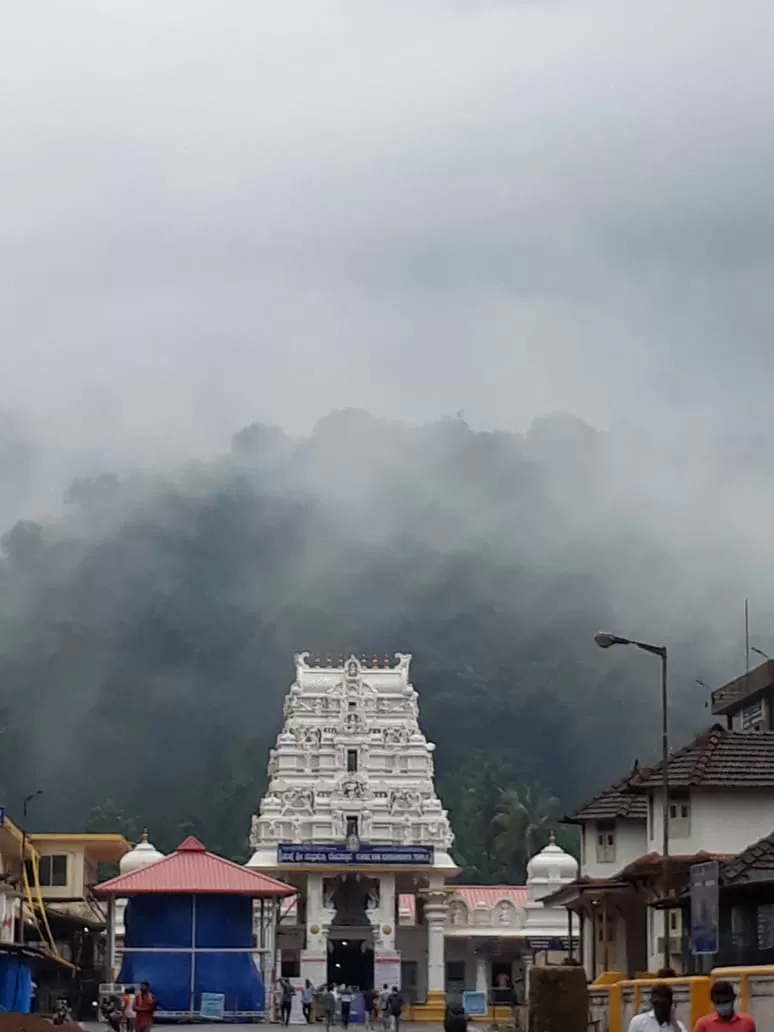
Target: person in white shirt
(661, 1017)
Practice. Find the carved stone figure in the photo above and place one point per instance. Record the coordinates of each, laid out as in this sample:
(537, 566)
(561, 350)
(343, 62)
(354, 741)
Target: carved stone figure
(406, 829)
(254, 831)
(298, 799)
(395, 736)
(405, 799)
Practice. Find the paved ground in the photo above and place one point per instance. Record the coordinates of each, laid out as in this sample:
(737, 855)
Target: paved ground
(415, 1026)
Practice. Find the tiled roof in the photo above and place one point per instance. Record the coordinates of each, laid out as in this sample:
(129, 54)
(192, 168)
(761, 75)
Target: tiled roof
(651, 863)
(191, 869)
(472, 896)
(717, 758)
(613, 802)
(756, 863)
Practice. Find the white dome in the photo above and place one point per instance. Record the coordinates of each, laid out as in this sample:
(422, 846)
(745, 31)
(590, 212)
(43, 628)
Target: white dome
(144, 853)
(552, 864)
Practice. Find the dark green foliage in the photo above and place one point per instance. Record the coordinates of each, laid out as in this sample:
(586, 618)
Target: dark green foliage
(146, 638)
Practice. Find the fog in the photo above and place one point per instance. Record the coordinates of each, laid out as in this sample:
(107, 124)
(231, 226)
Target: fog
(219, 213)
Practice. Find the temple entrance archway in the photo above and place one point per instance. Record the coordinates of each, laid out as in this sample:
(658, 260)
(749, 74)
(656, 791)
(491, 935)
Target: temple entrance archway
(351, 962)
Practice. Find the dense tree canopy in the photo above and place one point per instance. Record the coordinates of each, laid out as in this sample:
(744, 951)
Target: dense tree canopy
(147, 632)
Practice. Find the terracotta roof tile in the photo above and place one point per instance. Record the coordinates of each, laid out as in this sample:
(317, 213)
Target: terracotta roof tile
(613, 802)
(191, 869)
(652, 862)
(753, 864)
(717, 758)
(472, 896)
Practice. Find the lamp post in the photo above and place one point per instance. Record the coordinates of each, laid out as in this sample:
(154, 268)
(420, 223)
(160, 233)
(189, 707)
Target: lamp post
(605, 640)
(23, 859)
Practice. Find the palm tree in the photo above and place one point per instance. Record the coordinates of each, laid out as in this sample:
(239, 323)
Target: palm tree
(524, 818)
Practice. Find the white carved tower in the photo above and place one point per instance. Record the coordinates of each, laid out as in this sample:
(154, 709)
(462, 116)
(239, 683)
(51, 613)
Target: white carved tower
(353, 775)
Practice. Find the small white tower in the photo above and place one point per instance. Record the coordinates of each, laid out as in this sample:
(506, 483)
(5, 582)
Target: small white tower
(547, 872)
(143, 854)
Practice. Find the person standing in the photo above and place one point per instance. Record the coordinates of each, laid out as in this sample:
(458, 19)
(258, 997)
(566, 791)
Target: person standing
(723, 1000)
(144, 1008)
(369, 1002)
(384, 1007)
(129, 1012)
(661, 1016)
(307, 995)
(286, 1001)
(345, 998)
(328, 1004)
(395, 1005)
(456, 1020)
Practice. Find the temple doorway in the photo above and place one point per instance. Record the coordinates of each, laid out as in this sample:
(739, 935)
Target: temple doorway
(351, 962)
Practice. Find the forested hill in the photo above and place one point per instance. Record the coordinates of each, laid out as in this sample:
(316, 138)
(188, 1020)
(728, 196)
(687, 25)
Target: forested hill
(147, 629)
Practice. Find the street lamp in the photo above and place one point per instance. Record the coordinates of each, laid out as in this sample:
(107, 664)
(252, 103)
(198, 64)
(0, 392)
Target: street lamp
(23, 865)
(606, 640)
(759, 652)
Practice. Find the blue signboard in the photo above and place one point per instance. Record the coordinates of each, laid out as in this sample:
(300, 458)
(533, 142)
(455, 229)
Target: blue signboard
(2, 815)
(553, 945)
(213, 1006)
(704, 909)
(415, 856)
(475, 1004)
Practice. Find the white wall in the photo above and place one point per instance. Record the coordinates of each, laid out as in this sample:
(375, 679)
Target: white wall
(721, 822)
(631, 841)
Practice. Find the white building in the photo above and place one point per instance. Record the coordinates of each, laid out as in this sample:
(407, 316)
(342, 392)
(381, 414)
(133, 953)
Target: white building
(721, 800)
(352, 818)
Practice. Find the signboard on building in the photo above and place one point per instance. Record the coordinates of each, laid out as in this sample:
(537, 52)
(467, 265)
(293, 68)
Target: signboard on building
(704, 909)
(412, 856)
(555, 945)
(475, 1004)
(213, 1006)
(752, 716)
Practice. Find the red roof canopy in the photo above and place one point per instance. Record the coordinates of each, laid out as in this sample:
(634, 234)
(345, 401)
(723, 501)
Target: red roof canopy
(192, 870)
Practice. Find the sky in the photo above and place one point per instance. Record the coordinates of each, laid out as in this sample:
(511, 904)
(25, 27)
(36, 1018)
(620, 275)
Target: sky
(215, 213)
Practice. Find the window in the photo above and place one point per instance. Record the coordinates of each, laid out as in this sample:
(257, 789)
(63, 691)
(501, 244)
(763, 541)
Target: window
(291, 964)
(53, 869)
(605, 844)
(408, 980)
(352, 706)
(455, 978)
(351, 760)
(680, 818)
(352, 826)
(601, 928)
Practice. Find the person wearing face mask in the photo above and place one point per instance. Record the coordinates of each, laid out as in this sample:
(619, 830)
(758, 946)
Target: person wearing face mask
(660, 1017)
(723, 999)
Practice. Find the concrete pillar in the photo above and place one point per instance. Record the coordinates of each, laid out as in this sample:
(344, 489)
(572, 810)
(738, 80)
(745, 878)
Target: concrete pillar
(314, 958)
(386, 957)
(482, 973)
(435, 919)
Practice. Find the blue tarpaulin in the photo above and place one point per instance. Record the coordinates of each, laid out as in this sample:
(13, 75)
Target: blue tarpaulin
(15, 983)
(178, 979)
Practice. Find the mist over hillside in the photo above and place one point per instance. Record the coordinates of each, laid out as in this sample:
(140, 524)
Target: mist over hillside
(483, 293)
(147, 627)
